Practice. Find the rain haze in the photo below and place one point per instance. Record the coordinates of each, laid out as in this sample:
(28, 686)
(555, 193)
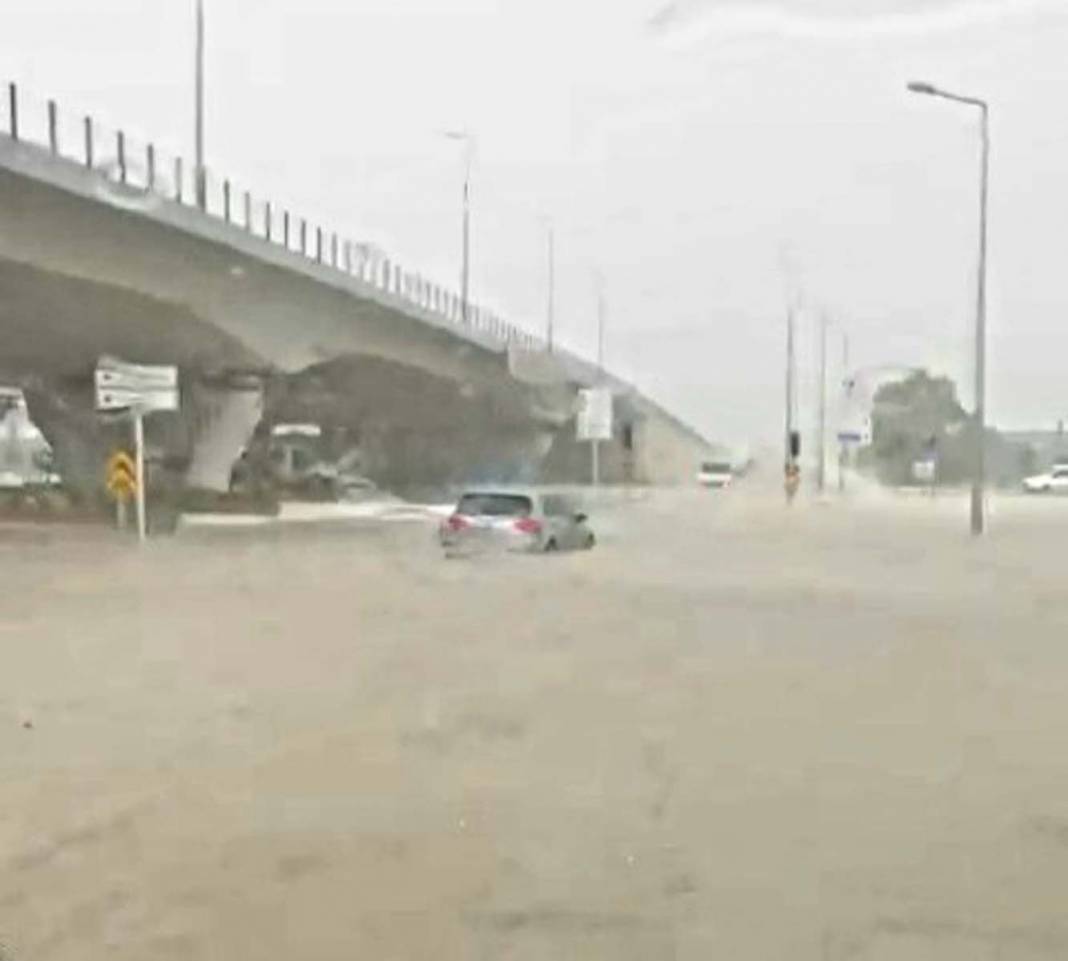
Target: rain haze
(508, 481)
(678, 148)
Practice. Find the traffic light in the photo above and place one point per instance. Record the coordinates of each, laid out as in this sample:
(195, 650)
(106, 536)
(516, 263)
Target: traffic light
(795, 444)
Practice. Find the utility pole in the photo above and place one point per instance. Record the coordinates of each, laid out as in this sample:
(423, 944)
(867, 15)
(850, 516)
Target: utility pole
(468, 140)
(595, 445)
(843, 449)
(465, 270)
(552, 293)
(600, 329)
(201, 176)
(789, 387)
(821, 475)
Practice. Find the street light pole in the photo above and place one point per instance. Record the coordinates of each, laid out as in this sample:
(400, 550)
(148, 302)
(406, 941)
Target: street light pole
(821, 476)
(980, 336)
(465, 267)
(600, 328)
(843, 450)
(201, 177)
(789, 388)
(465, 271)
(552, 292)
(595, 443)
(979, 470)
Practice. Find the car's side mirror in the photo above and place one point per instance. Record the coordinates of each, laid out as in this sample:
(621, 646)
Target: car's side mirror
(580, 518)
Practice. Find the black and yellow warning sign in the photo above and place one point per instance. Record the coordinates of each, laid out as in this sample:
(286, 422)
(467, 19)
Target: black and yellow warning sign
(121, 476)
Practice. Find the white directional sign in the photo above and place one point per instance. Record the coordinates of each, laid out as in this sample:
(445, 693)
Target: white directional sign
(146, 387)
(594, 419)
(140, 389)
(924, 471)
(121, 398)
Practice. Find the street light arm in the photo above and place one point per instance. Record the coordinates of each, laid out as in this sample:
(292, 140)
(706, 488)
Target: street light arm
(930, 90)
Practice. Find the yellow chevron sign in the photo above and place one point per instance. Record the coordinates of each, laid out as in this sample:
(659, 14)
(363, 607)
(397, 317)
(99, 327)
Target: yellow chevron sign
(121, 475)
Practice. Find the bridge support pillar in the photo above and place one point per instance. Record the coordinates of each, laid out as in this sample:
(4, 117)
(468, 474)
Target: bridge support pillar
(80, 440)
(225, 412)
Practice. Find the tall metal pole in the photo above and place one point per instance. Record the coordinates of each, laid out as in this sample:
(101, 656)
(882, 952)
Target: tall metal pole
(595, 445)
(821, 474)
(789, 386)
(139, 460)
(979, 481)
(465, 277)
(552, 293)
(201, 178)
(843, 449)
(979, 454)
(600, 330)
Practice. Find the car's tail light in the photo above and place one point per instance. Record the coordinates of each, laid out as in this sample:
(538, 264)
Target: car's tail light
(456, 522)
(528, 525)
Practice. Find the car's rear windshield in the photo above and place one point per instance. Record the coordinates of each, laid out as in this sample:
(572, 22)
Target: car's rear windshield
(711, 467)
(494, 505)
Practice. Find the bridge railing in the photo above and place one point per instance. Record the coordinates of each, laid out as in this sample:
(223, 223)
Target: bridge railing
(147, 175)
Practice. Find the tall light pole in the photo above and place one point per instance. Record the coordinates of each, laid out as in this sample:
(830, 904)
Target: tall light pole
(465, 269)
(843, 449)
(600, 327)
(595, 444)
(790, 389)
(979, 473)
(821, 475)
(550, 309)
(201, 176)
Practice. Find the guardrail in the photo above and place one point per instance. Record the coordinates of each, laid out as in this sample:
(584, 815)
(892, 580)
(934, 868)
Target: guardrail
(142, 167)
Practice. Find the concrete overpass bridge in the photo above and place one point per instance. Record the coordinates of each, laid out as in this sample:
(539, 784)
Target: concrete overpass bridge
(103, 250)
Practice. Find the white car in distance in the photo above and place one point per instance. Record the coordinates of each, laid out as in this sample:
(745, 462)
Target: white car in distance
(1055, 482)
(715, 474)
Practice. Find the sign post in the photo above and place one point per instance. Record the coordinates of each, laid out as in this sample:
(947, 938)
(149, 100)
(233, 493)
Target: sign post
(138, 389)
(139, 445)
(594, 424)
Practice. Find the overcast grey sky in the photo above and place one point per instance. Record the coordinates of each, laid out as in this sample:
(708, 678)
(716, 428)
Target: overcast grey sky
(696, 152)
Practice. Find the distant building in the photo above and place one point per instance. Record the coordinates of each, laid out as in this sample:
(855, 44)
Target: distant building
(1045, 447)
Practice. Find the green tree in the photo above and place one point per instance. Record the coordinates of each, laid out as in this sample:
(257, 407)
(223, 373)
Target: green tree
(908, 418)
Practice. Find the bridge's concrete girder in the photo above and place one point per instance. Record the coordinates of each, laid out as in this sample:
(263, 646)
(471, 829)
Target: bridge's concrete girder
(167, 284)
(421, 426)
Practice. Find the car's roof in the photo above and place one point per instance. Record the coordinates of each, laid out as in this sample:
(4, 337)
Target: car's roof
(503, 490)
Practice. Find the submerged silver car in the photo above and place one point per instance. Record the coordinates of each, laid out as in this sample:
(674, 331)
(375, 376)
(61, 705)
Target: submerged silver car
(515, 520)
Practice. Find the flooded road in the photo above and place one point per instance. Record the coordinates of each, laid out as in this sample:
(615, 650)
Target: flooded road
(731, 731)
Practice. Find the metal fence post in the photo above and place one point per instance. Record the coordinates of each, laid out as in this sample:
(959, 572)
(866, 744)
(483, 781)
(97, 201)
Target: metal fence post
(226, 201)
(319, 245)
(87, 123)
(348, 256)
(53, 128)
(248, 211)
(13, 113)
(285, 229)
(333, 250)
(150, 160)
(267, 220)
(304, 235)
(120, 146)
(178, 179)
